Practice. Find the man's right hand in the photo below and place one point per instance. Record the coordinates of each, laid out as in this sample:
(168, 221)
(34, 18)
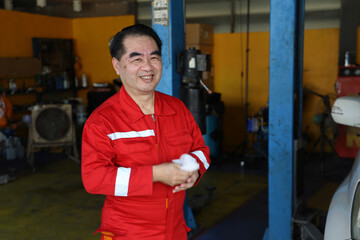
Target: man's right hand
(170, 174)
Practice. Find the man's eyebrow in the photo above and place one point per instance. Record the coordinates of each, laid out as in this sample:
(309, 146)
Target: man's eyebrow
(156, 52)
(134, 54)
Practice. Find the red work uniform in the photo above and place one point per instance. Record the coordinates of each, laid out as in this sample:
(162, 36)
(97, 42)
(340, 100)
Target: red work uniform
(119, 147)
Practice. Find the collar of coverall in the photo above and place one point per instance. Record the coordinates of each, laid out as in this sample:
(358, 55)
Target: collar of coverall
(133, 111)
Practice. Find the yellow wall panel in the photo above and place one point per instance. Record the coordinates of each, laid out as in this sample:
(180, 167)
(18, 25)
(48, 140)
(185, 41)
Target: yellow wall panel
(230, 77)
(321, 49)
(358, 47)
(91, 37)
(18, 28)
(320, 74)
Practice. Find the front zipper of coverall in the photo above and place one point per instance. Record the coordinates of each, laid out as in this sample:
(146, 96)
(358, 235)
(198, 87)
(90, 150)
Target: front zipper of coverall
(157, 149)
(157, 144)
(156, 135)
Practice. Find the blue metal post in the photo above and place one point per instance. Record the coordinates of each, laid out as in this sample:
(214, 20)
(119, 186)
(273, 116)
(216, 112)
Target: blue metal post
(286, 23)
(170, 28)
(169, 23)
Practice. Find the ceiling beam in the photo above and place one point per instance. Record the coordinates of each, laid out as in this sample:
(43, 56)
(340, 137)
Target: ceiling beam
(90, 8)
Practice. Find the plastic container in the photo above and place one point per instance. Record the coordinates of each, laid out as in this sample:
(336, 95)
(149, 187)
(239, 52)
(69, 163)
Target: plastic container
(347, 59)
(81, 114)
(84, 80)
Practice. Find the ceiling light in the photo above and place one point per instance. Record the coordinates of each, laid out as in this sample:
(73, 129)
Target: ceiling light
(77, 5)
(41, 3)
(8, 4)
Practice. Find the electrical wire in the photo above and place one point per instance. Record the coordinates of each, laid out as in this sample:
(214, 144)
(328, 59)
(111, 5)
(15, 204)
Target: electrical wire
(246, 106)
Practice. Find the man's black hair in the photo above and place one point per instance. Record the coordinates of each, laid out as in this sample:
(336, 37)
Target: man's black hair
(117, 48)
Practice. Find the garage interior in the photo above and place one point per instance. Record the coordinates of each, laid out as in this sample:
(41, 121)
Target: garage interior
(55, 52)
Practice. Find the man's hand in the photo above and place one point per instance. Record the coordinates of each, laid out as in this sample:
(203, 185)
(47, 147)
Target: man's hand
(171, 174)
(189, 183)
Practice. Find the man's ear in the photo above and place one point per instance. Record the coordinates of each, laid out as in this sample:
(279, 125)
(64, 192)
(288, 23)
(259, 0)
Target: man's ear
(115, 64)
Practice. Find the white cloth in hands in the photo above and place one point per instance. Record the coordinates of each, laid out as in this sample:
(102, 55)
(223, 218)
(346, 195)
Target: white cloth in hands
(187, 162)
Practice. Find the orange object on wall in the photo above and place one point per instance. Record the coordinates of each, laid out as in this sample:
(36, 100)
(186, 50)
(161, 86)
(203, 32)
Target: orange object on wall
(5, 111)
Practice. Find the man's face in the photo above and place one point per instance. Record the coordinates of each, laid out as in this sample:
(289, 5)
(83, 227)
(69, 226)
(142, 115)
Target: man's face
(140, 67)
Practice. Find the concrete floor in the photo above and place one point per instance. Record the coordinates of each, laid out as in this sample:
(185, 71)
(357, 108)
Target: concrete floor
(229, 203)
(321, 177)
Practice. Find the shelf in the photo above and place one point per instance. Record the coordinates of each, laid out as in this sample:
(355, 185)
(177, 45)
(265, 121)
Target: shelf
(24, 67)
(52, 91)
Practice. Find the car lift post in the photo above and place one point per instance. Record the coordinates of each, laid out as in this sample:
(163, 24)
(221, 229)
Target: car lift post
(167, 18)
(285, 82)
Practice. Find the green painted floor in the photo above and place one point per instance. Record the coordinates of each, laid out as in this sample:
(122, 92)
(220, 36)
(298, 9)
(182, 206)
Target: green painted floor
(49, 204)
(231, 191)
(52, 203)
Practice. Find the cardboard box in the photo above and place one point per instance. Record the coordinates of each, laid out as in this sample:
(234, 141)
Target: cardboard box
(204, 49)
(199, 34)
(19, 67)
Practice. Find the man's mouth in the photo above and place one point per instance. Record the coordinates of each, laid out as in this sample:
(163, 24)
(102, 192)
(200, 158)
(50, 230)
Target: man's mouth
(147, 77)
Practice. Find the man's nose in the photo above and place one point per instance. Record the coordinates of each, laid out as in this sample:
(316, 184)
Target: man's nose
(147, 64)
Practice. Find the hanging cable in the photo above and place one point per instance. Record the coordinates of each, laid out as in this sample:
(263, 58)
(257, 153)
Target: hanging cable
(241, 57)
(246, 106)
(232, 16)
(243, 146)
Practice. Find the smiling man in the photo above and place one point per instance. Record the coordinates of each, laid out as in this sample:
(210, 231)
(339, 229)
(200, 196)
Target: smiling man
(131, 141)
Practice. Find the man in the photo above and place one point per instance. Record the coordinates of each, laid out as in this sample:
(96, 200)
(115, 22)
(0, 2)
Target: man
(130, 142)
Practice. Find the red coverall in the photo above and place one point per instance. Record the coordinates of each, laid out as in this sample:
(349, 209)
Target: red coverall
(120, 145)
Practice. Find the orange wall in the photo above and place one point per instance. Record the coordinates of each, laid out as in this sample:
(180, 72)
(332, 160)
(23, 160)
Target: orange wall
(91, 38)
(358, 47)
(321, 48)
(320, 73)
(230, 76)
(17, 29)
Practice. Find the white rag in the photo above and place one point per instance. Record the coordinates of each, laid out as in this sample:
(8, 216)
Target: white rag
(187, 162)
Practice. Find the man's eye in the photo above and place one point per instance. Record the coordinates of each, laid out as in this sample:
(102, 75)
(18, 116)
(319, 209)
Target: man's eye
(136, 60)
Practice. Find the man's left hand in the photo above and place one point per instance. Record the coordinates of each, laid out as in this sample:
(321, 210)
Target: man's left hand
(188, 184)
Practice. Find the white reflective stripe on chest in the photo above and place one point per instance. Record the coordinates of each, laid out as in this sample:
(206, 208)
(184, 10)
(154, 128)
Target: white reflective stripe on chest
(122, 181)
(202, 158)
(132, 134)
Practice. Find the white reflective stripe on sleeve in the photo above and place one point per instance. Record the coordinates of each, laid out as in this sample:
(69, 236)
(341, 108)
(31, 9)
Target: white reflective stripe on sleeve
(132, 134)
(122, 181)
(202, 158)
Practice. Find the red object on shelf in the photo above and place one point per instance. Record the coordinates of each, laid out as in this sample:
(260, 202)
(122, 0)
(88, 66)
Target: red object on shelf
(347, 84)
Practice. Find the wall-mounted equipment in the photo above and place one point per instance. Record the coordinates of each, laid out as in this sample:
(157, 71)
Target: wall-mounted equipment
(191, 63)
(57, 63)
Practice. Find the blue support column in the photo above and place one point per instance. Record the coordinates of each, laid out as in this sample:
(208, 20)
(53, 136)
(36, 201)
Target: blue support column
(169, 24)
(286, 21)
